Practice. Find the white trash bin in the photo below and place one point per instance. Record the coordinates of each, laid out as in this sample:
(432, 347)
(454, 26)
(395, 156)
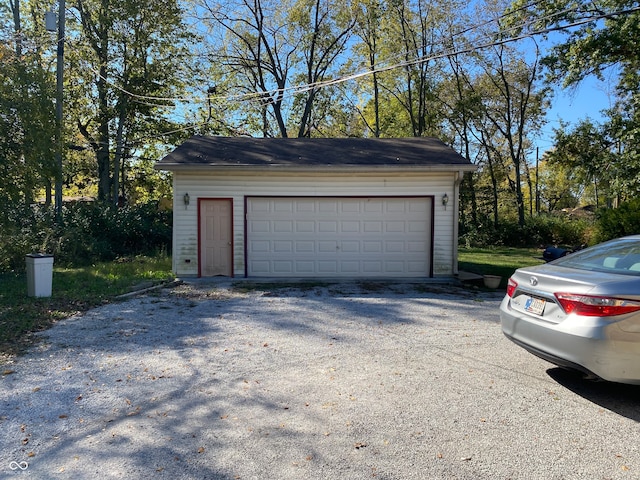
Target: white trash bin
(39, 274)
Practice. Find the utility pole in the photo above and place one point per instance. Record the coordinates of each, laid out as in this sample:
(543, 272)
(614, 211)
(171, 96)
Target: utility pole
(59, 99)
(537, 191)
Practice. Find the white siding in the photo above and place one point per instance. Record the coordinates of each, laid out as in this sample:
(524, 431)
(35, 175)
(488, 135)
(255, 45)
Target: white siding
(237, 187)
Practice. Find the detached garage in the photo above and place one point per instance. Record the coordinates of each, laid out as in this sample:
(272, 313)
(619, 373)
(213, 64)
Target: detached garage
(304, 207)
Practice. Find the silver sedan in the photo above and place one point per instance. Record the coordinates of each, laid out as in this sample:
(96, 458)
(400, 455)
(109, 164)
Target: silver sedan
(581, 311)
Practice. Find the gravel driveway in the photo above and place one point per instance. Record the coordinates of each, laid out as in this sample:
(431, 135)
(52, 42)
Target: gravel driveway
(343, 381)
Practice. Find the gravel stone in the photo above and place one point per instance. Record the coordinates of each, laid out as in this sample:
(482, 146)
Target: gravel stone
(225, 380)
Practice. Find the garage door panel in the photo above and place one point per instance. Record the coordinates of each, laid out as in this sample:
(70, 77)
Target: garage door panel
(394, 247)
(417, 205)
(260, 226)
(305, 246)
(304, 226)
(280, 246)
(374, 206)
(372, 266)
(304, 266)
(261, 267)
(394, 267)
(350, 246)
(395, 227)
(350, 226)
(372, 247)
(338, 236)
(371, 227)
(281, 226)
(260, 246)
(327, 246)
(415, 227)
(329, 206)
(283, 266)
(350, 207)
(305, 206)
(396, 207)
(416, 268)
(283, 206)
(325, 226)
(414, 247)
(327, 266)
(260, 207)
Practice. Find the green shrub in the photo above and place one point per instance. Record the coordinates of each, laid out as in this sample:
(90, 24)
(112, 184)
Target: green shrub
(89, 232)
(618, 222)
(537, 231)
(26, 230)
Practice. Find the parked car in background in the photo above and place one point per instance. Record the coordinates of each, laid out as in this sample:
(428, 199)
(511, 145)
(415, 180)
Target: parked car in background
(553, 253)
(581, 311)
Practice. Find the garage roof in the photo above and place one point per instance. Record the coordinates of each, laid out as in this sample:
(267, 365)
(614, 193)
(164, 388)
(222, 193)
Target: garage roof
(248, 152)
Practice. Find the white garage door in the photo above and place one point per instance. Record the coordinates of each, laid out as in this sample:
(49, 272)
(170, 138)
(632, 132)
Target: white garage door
(341, 237)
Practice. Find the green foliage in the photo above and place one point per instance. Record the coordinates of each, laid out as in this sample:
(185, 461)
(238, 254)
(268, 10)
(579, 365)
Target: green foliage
(142, 54)
(596, 45)
(26, 127)
(593, 156)
(139, 79)
(537, 231)
(558, 187)
(90, 232)
(606, 155)
(618, 222)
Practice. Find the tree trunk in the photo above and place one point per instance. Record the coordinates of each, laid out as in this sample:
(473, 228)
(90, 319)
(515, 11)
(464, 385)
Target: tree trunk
(122, 118)
(17, 26)
(103, 156)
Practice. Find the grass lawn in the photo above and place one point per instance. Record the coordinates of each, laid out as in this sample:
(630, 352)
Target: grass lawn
(501, 261)
(74, 290)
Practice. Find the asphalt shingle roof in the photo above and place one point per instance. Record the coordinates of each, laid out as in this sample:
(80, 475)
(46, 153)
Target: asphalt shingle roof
(201, 151)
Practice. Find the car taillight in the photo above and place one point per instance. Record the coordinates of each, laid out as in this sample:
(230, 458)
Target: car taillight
(593, 306)
(511, 287)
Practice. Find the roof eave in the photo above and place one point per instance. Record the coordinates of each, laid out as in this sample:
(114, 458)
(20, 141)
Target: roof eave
(191, 168)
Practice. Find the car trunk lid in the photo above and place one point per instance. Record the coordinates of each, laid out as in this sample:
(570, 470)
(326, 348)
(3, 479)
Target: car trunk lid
(536, 287)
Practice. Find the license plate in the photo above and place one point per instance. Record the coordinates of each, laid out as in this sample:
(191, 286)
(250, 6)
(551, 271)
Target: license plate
(534, 305)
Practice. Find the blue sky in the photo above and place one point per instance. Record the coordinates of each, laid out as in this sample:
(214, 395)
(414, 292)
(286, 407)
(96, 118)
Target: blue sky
(575, 104)
(586, 100)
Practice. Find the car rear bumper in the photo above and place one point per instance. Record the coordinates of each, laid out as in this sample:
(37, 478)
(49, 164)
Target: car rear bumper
(559, 361)
(601, 349)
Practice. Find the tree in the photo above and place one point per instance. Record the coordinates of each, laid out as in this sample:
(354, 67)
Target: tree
(135, 65)
(604, 38)
(369, 14)
(278, 55)
(589, 152)
(559, 186)
(512, 105)
(26, 113)
(324, 29)
(413, 35)
(462, 106)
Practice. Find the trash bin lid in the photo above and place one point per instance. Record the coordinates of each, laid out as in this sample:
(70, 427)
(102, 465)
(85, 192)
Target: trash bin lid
(39, 255)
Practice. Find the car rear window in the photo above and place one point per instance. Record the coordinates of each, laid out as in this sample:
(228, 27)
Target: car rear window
(617, 256)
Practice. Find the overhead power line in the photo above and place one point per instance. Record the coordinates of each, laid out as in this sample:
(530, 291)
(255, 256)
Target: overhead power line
(301, 88)
(266, 96)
